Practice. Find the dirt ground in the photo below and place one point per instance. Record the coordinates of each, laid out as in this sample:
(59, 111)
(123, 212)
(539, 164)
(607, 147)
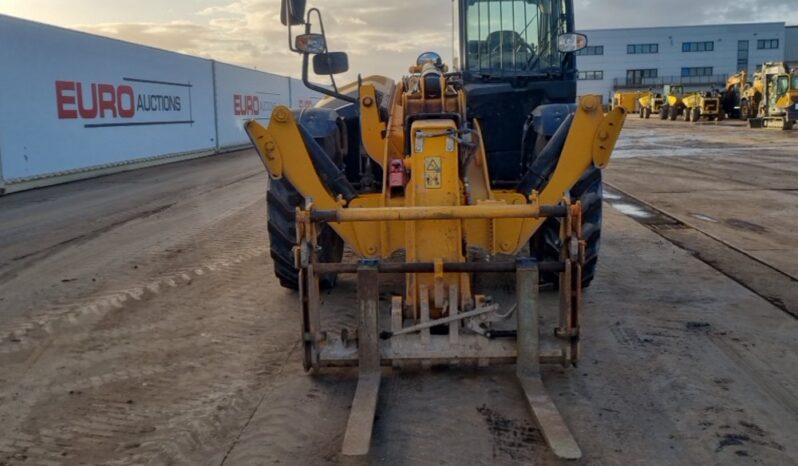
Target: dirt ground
(140, 324)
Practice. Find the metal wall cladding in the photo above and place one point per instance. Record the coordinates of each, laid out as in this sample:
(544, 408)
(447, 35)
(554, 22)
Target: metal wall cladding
(72, 102)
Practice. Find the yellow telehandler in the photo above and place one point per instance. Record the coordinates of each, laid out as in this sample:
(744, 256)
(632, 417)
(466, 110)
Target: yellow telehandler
(441, 179)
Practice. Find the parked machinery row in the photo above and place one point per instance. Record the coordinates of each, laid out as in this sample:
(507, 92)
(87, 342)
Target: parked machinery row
(673, 103)
(770, 99)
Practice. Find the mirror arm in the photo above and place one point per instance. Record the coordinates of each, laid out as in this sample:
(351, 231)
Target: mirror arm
(306, 65)
(324, 34)
(323, 90)
(286, 7)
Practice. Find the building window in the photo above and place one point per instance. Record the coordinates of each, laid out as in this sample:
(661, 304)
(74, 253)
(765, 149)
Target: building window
(592, 50)
(698, 46)
(632, 49)
(767, 44)
(591, 75)
(742, 55)
(697, 71)
(637, 76)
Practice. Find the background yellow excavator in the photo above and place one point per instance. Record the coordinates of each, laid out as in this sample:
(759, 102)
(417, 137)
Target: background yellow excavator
(773, 97)
(770, 99)
(437, 182)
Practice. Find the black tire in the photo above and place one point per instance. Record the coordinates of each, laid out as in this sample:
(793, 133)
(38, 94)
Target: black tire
(745, 110)
(663, 113)
(546, 242)
(648, 113)
(696, 114)
(281, 201)
(673, 112)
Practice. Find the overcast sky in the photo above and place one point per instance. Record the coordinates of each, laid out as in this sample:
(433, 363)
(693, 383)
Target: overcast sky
(381, 36)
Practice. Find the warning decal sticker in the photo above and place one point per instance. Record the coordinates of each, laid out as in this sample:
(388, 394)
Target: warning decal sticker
(432, 172)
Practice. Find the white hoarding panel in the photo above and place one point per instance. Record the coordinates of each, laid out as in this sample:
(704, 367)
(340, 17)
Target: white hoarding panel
(301, 96)
(241, 95)
(72, 101)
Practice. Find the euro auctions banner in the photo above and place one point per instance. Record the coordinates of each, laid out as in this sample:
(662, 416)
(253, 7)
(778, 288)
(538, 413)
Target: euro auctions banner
(243, 94)
(71, 101)
(135, 102)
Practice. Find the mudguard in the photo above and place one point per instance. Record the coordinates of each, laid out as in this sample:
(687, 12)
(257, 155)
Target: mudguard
(546, 119)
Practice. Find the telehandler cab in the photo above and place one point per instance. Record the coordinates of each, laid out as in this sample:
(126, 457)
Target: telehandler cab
(442, 178)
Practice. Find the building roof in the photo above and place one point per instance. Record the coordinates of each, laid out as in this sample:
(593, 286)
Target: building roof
(741, 25)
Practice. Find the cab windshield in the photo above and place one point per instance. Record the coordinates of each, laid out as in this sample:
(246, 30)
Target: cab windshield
(513, 36)
(794, 83)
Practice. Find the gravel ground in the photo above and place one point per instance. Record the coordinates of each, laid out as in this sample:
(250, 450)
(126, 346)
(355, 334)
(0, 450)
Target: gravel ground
(140, 324)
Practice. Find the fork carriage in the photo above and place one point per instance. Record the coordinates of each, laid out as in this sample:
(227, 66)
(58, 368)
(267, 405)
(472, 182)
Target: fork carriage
(469, 331)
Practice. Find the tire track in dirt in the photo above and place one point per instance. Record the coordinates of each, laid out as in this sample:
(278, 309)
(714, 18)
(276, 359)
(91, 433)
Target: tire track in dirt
(19, 336)
(214, 247)
(163, 371)
(193, 396)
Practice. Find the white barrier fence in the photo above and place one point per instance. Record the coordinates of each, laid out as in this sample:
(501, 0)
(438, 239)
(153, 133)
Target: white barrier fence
(75, 105)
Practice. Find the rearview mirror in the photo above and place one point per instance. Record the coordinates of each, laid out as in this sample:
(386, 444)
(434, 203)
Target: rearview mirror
(571, 42)
(292, 12)
(330, 63)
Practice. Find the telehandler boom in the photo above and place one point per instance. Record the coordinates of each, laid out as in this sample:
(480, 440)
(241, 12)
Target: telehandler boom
(442, 178)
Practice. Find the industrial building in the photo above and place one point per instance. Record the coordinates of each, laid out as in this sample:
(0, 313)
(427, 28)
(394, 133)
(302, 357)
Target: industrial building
(791, 45)
(696, 56)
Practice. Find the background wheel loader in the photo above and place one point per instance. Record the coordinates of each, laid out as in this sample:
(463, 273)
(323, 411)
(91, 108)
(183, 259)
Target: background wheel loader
(436, 183)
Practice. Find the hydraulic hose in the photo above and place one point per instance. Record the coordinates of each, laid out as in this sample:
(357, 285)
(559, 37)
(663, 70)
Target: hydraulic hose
(331, 176)
(542, 167)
